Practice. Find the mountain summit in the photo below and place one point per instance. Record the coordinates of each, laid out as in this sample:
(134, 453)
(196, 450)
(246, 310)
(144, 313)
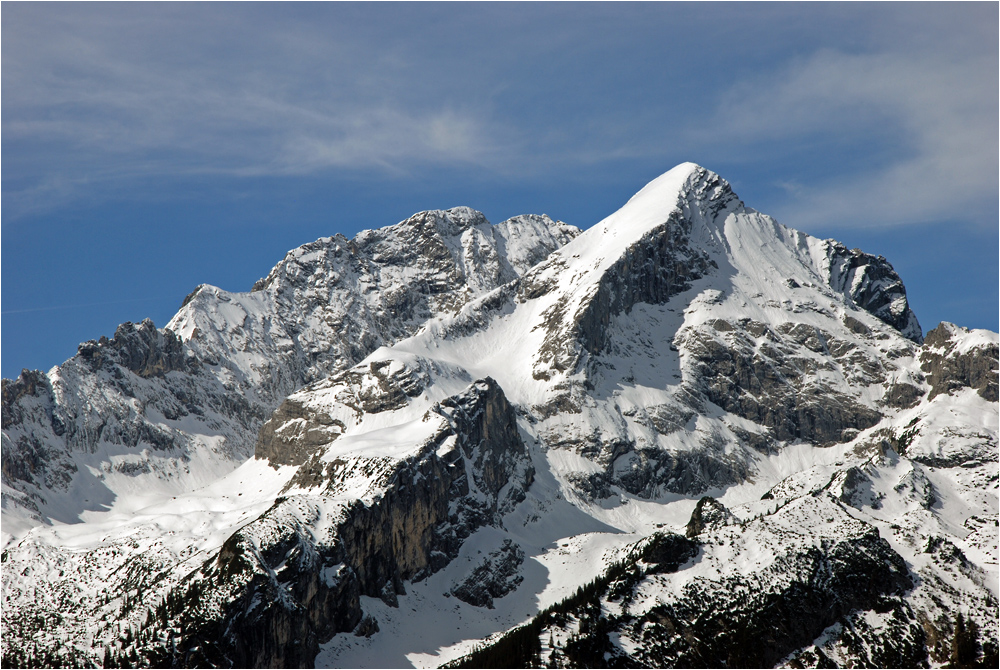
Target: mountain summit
(645, 444)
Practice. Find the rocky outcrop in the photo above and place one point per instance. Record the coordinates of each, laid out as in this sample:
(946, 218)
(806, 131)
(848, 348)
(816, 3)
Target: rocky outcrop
(142, 348)
(856, 489)
(665, 553)
(872, 284)
(290, 580)
(902, 396)
(486, 426)
(709, 513)
(30, 383)
(651, 472)
(297, 431)
(660, 265)
(28, 459)
(494, 577)
(384, 284)
(293, 434)
(950, 366)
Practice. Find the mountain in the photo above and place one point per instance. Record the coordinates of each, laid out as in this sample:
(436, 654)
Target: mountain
(688, 436)
(159, 412)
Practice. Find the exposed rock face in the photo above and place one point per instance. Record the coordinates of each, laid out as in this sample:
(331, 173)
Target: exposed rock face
(294, 431)
(648, 473)
(952, 364)
(31, 383)
(775, 382)
(281, 445)
(384, 284)
(28, 397)
(856, 489)
(874, 286)
(916, 486)
(652, 270)
(708, 513)
(496, 576)
(791, 378)
(142, 348)
(665, 553)
(310, 594)
(290, 580)
(490, 440)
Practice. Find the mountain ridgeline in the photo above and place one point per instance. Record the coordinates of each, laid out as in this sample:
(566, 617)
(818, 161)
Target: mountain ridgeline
(687, 436)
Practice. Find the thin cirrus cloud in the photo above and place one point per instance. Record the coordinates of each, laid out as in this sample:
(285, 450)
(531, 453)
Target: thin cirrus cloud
(937, 116)
(214, 122)
(388, 138)
(93, 101)
(96, 101)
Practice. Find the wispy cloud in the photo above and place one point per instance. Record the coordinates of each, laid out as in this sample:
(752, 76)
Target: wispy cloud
(935, 119)
(102, 96)
(90, 97)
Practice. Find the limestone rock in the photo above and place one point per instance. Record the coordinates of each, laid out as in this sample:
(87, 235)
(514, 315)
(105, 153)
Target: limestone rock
(951, 364)
(709, 513)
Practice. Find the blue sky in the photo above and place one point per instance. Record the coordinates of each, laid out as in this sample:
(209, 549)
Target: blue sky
(148, 148)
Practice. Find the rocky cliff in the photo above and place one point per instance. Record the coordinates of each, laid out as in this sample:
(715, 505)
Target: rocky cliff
(293, 578)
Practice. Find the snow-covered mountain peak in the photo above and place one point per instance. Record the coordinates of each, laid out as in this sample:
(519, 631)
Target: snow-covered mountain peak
(688, 191)
(165, 410)
(725, 426)
(442, 223)
(687, 181)
(716, 223)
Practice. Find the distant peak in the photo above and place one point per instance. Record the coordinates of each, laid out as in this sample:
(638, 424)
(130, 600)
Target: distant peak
(447, 222)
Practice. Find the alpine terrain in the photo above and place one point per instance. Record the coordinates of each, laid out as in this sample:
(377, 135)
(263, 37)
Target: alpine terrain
(687, 436)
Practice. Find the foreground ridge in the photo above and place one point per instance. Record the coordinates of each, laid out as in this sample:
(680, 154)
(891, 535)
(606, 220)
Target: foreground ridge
(688, 436)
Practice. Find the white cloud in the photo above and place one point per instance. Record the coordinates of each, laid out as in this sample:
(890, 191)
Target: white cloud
(936, 116)
(147, 93)
(96, 95)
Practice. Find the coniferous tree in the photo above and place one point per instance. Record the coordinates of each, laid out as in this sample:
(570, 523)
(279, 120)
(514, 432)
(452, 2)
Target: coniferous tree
(965, 643)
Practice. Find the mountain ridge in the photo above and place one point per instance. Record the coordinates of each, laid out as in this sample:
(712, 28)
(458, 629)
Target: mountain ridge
(687, 367)
(237, 356)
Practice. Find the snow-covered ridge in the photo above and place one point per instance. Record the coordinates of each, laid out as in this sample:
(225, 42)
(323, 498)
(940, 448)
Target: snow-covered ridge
(701, 409)
(960, 340)
(156, 412)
